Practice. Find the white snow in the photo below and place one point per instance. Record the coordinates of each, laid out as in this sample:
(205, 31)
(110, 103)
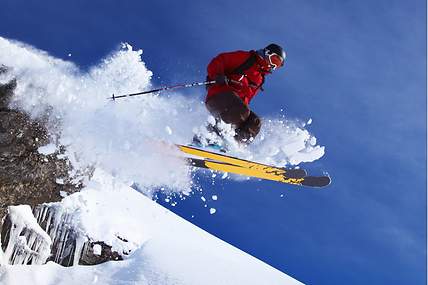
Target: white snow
(166, 249)
(47, 149)
(212, 211)
(97, 249)
(283, 142)
(168, 130)
(214, 197)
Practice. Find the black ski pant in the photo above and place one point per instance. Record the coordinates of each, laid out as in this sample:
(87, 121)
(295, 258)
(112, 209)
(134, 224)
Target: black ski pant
(232, 110)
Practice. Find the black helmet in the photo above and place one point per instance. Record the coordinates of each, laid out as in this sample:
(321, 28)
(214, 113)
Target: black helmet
(274, 48)
(274, 55)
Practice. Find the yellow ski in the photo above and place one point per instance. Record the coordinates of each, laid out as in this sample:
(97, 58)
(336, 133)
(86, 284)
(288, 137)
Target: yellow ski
(254, 167)
(219, 162)
(230, 168)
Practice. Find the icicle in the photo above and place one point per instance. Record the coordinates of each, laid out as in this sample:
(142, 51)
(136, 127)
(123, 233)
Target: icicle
(80, 242)
(63, 242)
(15, 231)
(45, 210)
(31, 239)
(30, 244)
(1, 254)
(59, 242)
(58, 213)
(48, 222)
(25, 236)
(36, 212)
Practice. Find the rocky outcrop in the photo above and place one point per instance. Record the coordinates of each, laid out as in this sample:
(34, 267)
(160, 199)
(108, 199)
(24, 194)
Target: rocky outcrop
(28, 177)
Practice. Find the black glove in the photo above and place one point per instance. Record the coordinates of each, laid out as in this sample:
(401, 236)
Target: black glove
(222, 79)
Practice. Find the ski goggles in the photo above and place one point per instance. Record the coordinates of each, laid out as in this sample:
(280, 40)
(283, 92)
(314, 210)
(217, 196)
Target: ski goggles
(275, 60)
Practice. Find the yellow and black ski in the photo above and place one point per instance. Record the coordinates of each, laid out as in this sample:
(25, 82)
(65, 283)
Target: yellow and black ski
(220, 162)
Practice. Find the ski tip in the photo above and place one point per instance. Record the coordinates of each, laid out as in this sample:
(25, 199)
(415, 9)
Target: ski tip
(295, 173)
(316, 181)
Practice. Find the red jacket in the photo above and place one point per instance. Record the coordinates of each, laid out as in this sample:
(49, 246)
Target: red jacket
(249, 83)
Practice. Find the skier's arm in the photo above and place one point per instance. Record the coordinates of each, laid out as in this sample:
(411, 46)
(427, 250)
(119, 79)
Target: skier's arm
(216, 67)
(225, 63)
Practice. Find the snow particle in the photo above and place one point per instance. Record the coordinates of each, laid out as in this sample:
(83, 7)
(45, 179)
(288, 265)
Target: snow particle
(97, 249)
(214, 197)
(47, 149)
(212, 211)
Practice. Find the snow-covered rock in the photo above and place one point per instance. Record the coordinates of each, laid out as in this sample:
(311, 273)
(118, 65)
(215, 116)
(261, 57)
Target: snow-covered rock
(27, 242)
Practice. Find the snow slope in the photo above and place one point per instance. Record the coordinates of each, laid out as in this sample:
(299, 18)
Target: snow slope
(168, 249)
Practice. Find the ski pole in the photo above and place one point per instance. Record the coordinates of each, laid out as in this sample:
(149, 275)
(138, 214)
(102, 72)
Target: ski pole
(113, 97)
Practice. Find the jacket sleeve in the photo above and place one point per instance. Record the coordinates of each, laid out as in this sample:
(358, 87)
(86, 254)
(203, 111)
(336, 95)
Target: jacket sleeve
(225, 63)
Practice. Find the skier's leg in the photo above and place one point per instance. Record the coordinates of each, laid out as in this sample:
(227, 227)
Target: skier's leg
(249, 129)
(232, 110)
(228, 107)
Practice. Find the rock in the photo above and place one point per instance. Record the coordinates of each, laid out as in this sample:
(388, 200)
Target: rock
(31, 178)
(26, 176)
(90, 256)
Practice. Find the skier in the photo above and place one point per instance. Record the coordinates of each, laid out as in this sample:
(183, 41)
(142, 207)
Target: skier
(238, 76)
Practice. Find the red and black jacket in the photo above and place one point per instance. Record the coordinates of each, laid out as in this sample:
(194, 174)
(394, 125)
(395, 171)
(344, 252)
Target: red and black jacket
(245, 69)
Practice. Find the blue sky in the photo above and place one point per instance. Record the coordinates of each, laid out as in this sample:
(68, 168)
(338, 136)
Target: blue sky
(357, 68)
